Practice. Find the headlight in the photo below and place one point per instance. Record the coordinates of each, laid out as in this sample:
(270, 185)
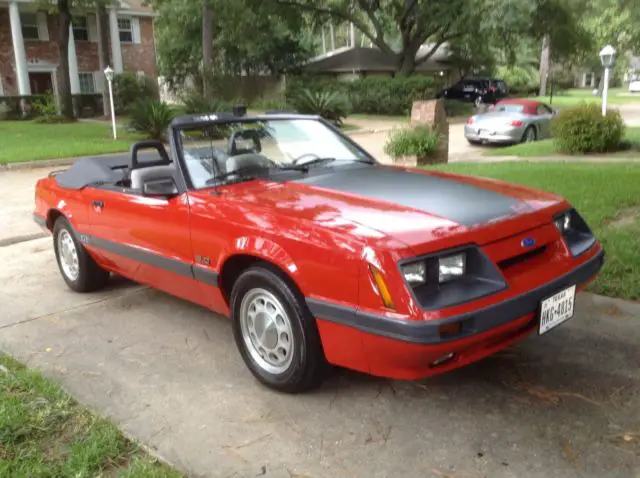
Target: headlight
(563, 222)
(451, 267)
(416, 273)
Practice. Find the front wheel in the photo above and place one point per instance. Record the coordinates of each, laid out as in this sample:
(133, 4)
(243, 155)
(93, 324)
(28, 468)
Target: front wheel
(78, 269)
(275, 333)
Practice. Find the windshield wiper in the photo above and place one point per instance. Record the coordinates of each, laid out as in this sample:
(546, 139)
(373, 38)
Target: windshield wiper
(305, 166)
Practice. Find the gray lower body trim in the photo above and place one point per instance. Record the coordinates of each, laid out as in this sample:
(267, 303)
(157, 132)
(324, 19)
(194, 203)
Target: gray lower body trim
(171, 265)
(427, 332)
(40, 221)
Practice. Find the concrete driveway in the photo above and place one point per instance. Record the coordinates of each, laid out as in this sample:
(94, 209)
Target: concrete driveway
(563, 405)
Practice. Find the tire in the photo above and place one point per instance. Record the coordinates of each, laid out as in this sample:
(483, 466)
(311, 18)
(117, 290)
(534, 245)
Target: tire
(474, 142)
(288, 355)
(530, 134)
(84, 275)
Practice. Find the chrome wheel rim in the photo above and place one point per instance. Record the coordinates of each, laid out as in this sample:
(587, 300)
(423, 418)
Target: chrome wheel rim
(68, 255)
(266, 331)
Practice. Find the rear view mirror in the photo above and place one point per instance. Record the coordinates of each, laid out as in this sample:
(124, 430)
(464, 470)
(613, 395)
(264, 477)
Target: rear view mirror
(165, 187)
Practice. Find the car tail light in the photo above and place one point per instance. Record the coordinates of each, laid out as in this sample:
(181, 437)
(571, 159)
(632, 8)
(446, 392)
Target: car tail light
(471, 120)
(516, 123)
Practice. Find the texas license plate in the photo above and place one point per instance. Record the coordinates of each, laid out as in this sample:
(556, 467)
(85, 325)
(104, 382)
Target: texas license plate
(557, 309)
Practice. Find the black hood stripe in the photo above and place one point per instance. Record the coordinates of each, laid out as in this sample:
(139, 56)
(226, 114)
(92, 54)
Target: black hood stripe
(462, 203)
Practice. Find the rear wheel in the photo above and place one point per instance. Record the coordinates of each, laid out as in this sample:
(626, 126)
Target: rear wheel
(78, 269)
(529, 135)
(275, 333)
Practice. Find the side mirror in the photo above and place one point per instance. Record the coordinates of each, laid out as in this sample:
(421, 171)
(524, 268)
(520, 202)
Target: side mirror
(165, 187)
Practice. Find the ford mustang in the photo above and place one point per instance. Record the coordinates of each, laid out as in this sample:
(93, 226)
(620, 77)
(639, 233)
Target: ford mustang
(319, 254)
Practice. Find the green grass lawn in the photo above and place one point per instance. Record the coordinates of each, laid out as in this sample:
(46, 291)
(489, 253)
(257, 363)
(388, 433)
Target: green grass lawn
(575, 96)
(601, 193)
(27, 141)
(45, 433)
(548, 148)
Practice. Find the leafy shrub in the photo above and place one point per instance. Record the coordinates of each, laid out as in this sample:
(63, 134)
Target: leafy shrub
(420, 141)
(53, 119)
(266, 104)
(46, 106)
(129, 88)
(150, 117)
(458, 108)
(331, 105)
(523, 80)
(583, 129)
(371, 95)
(195, 103)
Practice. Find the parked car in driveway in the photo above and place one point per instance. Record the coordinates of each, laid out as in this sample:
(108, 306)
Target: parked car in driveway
(318, 253)
(510, 121)
(634, 86)
(476, 90)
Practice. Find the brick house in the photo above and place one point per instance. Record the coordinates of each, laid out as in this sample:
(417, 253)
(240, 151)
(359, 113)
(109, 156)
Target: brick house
(29, 56)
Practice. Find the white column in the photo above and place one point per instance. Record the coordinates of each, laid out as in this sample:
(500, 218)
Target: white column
(74, 79)
(116, 52)
(22, 73)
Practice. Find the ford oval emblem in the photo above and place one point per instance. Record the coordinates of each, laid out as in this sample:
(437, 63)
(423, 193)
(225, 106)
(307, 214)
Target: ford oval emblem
(528, 242)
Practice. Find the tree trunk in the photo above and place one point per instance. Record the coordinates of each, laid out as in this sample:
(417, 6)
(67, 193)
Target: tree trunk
(544, 64)
(102, 21)
(64, 83)
(207, 50)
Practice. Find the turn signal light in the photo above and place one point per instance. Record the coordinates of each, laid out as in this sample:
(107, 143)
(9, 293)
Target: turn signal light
(381, 285)
(516, 123)
(450, 329)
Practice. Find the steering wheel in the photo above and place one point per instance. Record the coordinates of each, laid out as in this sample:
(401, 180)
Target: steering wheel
(299, 158)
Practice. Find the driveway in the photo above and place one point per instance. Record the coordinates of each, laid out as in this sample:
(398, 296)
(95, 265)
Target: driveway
(562, 405)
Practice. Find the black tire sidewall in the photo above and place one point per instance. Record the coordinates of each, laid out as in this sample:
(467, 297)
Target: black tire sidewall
(60, 225)
(258, 277)
(526, 133)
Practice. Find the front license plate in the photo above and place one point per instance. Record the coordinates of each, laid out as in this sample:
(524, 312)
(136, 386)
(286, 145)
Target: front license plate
(557, 309)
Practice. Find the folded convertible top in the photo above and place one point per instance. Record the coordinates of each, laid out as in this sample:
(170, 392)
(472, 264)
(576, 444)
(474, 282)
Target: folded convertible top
(87, 171)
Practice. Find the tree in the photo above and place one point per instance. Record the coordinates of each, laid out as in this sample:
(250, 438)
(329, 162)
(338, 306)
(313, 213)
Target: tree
(207, 48)
(64, 10)
(64, 83)
(246, 36)
(413, 22)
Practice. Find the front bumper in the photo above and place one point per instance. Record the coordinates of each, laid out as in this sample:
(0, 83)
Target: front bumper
(406, 349)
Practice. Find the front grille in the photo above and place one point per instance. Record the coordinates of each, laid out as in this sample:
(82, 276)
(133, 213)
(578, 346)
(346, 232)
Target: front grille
(511, 261)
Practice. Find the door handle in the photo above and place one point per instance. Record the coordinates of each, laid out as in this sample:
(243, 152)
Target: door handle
(98, 204)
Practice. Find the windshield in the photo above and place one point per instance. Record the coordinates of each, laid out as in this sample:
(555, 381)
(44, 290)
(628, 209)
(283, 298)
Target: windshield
(509, 108)
(219, 151)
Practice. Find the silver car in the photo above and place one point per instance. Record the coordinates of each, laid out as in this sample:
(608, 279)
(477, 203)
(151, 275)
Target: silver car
(510, 121)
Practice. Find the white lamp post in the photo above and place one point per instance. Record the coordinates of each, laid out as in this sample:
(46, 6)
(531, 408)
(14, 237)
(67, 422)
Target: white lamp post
(608, 59)
(108, 73)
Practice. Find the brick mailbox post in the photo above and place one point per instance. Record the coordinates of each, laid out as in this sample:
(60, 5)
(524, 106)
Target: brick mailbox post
(433, 114)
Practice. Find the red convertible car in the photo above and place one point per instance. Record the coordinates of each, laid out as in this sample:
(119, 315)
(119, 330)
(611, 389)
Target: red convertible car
(318, 253)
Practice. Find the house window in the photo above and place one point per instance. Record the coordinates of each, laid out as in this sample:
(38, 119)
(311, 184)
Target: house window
(87, 85)
(80, 29)
(29, 23)
(125, 29)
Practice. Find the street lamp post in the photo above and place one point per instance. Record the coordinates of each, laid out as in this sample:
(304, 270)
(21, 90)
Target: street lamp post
(608, 59)
(108, 73)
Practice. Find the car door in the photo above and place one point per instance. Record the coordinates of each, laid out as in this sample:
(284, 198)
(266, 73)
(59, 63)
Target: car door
(144, 238)
(544, 115)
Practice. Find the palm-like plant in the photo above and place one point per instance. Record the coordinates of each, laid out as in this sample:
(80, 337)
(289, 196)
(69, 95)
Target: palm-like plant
(331, 105)
(151, 118)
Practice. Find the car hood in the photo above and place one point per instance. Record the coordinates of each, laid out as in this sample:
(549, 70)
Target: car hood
(410, 205)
